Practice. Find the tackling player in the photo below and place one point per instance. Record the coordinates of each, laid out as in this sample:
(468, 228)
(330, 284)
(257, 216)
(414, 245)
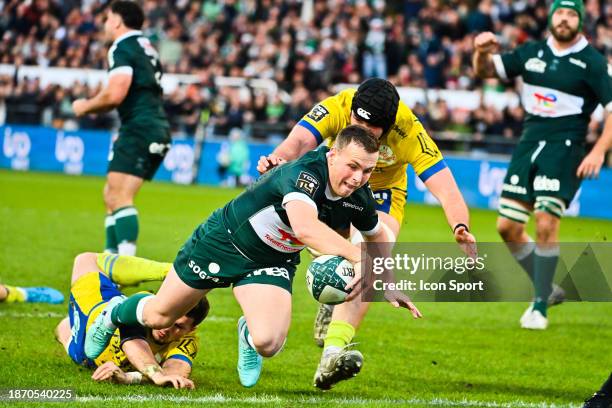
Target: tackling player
(134, 355)
(144, 136)
(403, 141)
(564, 79)
(253, 245)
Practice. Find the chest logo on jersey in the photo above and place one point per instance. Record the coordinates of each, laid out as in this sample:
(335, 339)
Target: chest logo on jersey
(317, 113)
(544, 103)
(307, 183)
(353, 206)
(535, 65)
(386, 155)
(578, 62)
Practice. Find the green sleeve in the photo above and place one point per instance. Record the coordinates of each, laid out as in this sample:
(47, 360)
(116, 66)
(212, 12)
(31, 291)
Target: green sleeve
(600, 81)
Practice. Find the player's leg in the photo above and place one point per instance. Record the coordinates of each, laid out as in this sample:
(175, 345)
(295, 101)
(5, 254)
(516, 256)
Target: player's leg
(63, 333)
(122, 217)
(547, 212)
(128, 270)
(337, 362)
(262, 330)
(37, 294)
(173, 300)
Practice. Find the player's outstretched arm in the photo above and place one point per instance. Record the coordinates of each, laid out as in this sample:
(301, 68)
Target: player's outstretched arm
(485, 45)
(396, 298)
(177, 367)
(107, 99)
(299, 142)
(316, 235)
(443, 186)
(141, 357)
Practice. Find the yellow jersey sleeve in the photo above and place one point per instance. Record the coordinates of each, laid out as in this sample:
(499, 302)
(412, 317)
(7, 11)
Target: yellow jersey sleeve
(415, 146)
(329, 117)
(185, 349)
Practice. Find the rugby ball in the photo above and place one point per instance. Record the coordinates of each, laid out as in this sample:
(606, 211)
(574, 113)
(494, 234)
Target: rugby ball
(326, 278)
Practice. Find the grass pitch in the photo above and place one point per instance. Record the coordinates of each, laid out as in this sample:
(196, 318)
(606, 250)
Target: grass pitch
(465, 355)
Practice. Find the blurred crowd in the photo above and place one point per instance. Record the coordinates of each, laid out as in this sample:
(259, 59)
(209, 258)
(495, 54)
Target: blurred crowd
(305, 46)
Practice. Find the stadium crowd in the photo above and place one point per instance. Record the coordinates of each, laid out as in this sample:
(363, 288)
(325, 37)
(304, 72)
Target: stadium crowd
(304, 46)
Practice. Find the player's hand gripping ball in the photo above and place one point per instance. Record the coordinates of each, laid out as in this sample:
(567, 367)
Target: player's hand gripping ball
(327, 277)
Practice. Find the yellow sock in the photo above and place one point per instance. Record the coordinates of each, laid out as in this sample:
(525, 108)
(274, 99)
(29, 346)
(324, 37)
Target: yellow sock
(339, 334)
(14, 294)
(130, 270)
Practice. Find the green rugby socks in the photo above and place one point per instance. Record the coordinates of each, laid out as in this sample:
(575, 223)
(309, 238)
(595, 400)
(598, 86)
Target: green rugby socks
(126, 229)
(545, 263)
(129, 312)
(111, 237)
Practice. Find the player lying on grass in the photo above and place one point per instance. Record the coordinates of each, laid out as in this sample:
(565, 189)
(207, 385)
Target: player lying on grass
(253, 245)
(19, 294)
(134, 354)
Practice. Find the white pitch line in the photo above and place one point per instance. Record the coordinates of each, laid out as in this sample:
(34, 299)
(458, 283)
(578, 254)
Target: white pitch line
(267, 399)
(43, 315)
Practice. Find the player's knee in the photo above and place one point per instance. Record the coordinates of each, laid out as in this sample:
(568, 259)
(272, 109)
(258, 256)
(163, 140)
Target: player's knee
(159, 321)
(268, 345)
(510, 231)
(546, 227)
(83, 263)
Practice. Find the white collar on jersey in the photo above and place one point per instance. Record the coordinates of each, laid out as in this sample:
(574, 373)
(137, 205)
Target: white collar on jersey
(329, 194)
(126, 35)
(579, 46)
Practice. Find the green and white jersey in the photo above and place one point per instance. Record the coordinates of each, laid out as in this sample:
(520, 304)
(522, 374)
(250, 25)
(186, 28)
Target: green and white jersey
(133, 54)
(257, 220)
(561, 89)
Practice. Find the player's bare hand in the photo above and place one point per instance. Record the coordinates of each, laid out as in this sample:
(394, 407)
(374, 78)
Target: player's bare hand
(177, 381)
(400, 299)
(268, 162)
(591, 165)
(78, 107)
(466, 241)
(109, 371)
(486, 42)
(355, 285)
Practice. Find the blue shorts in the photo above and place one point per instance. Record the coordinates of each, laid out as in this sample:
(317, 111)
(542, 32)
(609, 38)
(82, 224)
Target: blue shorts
(88, 297)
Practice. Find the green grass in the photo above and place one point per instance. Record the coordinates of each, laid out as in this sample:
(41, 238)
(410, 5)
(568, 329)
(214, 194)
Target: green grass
(458, 354)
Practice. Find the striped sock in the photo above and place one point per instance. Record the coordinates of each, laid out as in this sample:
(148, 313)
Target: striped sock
(111, 236)
(126, 229)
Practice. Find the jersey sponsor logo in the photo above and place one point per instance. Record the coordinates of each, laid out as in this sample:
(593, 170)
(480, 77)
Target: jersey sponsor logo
(363, 113)
(307, 183)
(578, 62)
(425, 147)
(273, 271)
(385, 155)
(535, 65)
(543, 183)
(317, 113)
(351, 205)
(288, 236)
(272, 231)
(549, 102)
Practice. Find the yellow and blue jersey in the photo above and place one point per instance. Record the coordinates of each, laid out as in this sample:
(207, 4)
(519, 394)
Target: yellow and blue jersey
(406, 143)
(88, 297)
